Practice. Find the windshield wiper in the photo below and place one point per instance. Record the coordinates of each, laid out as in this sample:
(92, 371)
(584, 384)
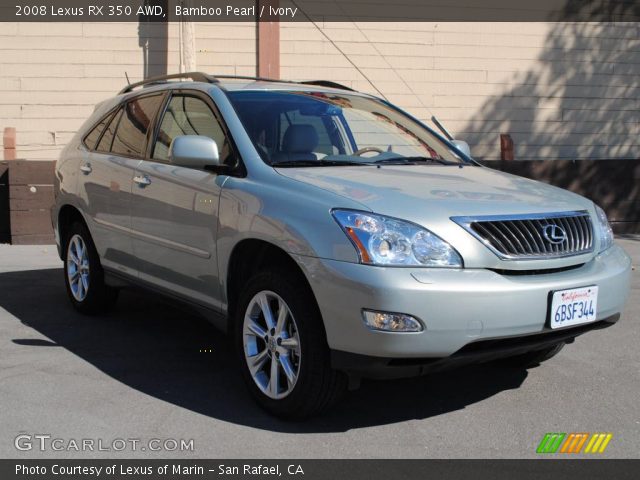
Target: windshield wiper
(316, 163)
(414, 161)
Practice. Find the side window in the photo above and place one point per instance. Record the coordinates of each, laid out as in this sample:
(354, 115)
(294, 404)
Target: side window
(92, 137)
(130, 138)
(105, 142)
(186, 115)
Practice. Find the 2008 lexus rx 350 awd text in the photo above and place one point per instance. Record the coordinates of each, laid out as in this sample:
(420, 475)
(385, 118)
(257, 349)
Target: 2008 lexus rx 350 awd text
(332, 235)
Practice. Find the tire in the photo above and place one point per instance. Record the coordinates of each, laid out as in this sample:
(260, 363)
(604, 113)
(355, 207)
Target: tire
(83, 273)
(534, 358)
(306, 385)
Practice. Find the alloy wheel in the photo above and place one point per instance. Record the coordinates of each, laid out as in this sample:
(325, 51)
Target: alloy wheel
(78, 267)
(271, 344)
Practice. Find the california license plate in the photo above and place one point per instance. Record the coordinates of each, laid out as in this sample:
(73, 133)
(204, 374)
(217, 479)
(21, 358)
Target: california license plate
(574, 306)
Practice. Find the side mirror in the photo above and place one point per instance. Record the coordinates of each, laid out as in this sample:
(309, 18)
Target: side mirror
(462, 146)
(194, 151)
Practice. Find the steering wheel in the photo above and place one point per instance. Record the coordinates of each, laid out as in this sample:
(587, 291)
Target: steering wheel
(359, 153)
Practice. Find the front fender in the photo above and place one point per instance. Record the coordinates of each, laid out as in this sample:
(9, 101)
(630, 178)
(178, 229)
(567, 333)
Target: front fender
(287, 214)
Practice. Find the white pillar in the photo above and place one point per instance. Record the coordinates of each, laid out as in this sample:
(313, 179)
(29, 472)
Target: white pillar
(187, 38)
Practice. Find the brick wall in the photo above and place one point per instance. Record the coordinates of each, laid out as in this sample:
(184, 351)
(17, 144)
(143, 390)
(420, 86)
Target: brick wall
(52, 75)
(560, 90)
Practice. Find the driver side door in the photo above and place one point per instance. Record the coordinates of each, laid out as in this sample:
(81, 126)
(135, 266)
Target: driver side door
(174, 212)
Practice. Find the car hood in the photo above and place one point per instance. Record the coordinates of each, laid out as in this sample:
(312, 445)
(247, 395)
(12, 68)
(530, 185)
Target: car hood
(430, 195)
(415, 192)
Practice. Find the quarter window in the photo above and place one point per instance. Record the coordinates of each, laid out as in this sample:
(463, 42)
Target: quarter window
(92, 137)
(188, 115)
(131, 135)
(107, 138)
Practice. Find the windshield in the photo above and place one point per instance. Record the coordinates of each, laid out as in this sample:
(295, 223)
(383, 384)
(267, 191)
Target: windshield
(295, 129)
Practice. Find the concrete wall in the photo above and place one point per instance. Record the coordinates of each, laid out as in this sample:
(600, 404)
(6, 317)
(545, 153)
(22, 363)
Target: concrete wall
(560, 90)
(52, 74)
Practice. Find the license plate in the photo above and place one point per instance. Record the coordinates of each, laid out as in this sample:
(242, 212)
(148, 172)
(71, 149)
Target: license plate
(574, 306)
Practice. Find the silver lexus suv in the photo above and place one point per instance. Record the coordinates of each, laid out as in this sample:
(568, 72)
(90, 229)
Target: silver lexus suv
(332, 235)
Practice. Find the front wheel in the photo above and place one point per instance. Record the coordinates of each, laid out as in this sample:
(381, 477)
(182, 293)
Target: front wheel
(83, 273)
(282, 347)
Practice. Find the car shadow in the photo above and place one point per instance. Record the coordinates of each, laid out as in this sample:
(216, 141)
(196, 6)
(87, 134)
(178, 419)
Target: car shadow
(174, 355)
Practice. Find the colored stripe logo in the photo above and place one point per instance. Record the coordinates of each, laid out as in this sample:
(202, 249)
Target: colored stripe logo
(598, 443)
(574, 443)
(550, 442)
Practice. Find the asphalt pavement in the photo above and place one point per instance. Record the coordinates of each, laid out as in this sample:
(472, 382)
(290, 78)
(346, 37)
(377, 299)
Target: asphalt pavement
(151, 370)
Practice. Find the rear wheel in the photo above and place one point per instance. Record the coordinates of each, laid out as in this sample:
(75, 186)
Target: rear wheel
(282, 347)
(534, 358)
(83, 273)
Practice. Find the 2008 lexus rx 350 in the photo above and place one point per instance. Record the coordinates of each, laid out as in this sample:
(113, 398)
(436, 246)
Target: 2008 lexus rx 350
(333, 235)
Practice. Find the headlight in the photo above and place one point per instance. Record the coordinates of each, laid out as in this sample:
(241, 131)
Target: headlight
(388, 241)
(606, 233)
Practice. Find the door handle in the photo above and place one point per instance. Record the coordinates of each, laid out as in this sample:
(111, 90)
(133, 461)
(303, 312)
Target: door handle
(86, 168)
(142, 180)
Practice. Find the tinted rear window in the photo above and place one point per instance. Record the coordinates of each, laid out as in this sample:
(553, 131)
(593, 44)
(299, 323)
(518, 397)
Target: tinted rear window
(130, 138)
(92, 137)
(107, 138)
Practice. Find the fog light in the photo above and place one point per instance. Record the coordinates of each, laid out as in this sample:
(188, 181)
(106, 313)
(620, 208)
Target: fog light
(391, 322)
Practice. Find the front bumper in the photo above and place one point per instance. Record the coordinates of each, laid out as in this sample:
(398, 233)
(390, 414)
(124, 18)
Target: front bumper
(474, 352)
(457, 307)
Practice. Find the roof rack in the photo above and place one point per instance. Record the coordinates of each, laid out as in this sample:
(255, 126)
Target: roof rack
(195, 76)
(249, 77)
(206, 78)
(319, 83)
(327, 83)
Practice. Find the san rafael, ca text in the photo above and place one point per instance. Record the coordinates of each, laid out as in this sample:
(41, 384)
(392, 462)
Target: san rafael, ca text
(175, 469)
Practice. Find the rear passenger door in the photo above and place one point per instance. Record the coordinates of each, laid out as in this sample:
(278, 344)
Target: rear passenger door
(117, 144)
(175, 209)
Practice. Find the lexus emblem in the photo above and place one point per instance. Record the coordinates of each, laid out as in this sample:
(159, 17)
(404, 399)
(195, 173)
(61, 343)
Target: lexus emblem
(554, 234)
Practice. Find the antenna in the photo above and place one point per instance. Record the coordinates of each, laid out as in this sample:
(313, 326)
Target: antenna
(323, 33)
(127, 76)
(384, 59)
(400, 77)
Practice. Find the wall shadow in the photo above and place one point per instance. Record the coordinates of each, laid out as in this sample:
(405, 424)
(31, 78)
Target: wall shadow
(612, 184)
(580, 99)
(5, 224)
(154, 348)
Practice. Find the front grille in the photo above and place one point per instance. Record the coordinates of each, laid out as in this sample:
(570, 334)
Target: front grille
(533, 236)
